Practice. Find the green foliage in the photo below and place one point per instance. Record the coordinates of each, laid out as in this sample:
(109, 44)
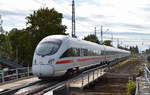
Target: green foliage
(147, 51)
(127, 61)
(140, 71)
(44, 22)
(5, 46)
(2, 41)
(131, 88)
(41, 23)
(92, 38)
(134, 50)
(121, 47)
(108, 43)
(21, 46)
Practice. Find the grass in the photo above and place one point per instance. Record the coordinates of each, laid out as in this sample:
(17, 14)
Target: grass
(126, 61)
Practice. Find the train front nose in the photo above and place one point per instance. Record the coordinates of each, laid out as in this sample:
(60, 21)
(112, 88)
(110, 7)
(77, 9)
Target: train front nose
(43, 70)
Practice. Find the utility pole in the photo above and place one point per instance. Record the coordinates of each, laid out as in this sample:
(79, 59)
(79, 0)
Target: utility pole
(73, 19)
(101, 34)
(95, 31)
(112, 38)
(1, 22)
(117, 42)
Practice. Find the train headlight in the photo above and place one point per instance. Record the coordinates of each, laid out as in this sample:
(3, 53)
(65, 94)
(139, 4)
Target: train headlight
(51, 61)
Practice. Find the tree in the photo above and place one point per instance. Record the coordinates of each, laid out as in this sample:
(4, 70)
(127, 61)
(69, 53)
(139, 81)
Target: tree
(2, 44)
(44, 22)
(134, 50)
(21, 46)
(108, 43)
(40, 24)
(5, 46)
(92, 38)
(147, 51)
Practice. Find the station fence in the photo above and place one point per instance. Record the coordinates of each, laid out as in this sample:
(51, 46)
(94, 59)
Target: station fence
(147, 73)
(147, 78)
(14, 74)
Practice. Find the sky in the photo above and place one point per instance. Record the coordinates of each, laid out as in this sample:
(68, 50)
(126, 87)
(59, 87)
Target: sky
(126, 20)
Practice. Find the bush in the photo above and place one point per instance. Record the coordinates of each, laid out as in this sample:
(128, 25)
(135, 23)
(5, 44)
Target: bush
(140, 71)
(131, 88)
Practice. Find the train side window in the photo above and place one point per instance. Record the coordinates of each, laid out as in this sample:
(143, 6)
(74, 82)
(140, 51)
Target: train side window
(66, 53)
(81, 52)
(78, 52)
(75, 52)
(85, 52)
(88, 52)
(102, 52)
(71, 52)
(91, 53)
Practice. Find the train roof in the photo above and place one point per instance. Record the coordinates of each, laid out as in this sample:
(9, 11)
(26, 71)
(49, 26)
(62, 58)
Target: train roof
(48, 38)
(83, 42)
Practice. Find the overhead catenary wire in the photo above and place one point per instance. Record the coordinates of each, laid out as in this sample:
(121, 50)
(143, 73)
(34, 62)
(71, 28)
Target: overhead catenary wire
(89, 27)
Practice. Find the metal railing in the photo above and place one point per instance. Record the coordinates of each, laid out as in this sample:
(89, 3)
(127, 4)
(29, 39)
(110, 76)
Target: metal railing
(83, 80)
(139, 80)
(14, 74)
(147, 73)
(137, 87)
(87, 77)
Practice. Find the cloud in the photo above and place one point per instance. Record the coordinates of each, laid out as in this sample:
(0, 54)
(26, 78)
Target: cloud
(146, 7)
(134, 26)
(18, 23)
(123, 17)
(78, 18)
(16, 13)
(101, 16)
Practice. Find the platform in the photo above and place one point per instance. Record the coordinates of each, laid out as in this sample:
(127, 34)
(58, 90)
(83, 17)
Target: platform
(17, 83)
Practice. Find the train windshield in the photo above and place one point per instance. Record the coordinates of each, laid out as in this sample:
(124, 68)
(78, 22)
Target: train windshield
(48, 48)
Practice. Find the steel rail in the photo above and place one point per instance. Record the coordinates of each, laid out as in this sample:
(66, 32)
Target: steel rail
(14, 89)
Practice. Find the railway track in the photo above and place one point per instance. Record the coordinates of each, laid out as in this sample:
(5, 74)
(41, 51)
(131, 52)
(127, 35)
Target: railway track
(29, 89)
(39, 87)
(43, 86)
(114, 81)
(15, 89)
(35, 88)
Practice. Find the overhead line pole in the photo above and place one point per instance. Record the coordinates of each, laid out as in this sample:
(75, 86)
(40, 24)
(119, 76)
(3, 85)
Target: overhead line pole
(112, 38)
(1, 22)
(73, 19)
(101, 34)
(95, 31)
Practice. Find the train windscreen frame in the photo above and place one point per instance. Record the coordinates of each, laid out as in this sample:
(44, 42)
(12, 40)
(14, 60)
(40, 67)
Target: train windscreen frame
(48, 47)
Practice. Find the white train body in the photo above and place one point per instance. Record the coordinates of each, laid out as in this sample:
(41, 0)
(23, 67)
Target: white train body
(57, 54)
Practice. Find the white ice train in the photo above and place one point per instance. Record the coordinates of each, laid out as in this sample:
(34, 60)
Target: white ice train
(58, 54)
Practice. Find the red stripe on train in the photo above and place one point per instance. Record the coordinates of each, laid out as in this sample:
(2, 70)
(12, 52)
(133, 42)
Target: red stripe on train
(64, 62)
(80, 60)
